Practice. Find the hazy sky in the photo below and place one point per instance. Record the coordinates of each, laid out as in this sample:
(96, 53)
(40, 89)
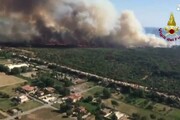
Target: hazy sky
(151, 13)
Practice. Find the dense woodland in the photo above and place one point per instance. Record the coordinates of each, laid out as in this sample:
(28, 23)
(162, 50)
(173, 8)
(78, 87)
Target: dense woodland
(158, 68)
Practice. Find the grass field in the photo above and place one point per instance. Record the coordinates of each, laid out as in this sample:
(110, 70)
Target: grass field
(9, 89)
(137, 105)
(7, 80)
(6, 104)
(29, 105)
(91, 108)
(97, 89)
(44, 114)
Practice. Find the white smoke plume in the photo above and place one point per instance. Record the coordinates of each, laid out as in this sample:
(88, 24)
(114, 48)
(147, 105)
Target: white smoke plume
(130, 33)
(83, 20)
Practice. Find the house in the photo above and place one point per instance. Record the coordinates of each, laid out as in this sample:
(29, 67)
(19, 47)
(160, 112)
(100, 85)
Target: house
(29, 89)
(21, 99)
(49, 90)
(13, 111)
(39, 93)
(82, 110)
(119, 115)
(75, 97)
(106, 112)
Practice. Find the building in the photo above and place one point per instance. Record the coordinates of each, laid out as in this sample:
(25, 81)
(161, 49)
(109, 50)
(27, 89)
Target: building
(49, 90)
(29, 89)
(75, 97)
(12, 66)
(21, 99)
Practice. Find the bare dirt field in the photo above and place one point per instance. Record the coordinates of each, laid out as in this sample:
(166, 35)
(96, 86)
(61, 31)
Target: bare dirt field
(7, 80)
(29, 74)
(81, 87)
(44, 114)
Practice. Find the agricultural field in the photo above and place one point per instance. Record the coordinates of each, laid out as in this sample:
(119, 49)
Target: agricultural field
(7, 80)
(44, 114)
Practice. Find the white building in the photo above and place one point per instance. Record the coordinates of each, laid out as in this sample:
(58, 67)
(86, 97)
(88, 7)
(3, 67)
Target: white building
(22, 99)
(11, 66)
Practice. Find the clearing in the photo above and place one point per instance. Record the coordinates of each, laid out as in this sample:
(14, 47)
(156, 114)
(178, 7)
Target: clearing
(7, 80)
(45, 114)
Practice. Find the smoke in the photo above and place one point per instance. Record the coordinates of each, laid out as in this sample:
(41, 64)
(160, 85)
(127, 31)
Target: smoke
(130, 33)
(72, 22)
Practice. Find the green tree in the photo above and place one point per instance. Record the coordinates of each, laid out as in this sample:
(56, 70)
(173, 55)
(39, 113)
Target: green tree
(135, 116)
(114, 117)
(15, 71)
(4, 69)
(65, 92)
(143, 118)
(69, 112)
(67, 83)
(24, 69)
(106, 93)
(152, 116)
(89, 99)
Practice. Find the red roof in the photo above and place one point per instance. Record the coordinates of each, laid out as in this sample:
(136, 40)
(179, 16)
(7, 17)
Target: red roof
(75, 96)
(28, 88)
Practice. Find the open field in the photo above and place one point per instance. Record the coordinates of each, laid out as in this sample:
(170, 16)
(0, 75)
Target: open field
(45, 114)
(28, 74)
(29, 105)
(10, 90)
(7, 80)
(82, 87)
(6, 104)
(96, 89)
(129, 109)
(5, 61)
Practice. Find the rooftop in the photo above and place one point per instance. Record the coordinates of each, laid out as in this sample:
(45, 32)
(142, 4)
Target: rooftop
(28, 88)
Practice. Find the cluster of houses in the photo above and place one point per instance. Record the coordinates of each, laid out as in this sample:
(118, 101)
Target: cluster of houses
(47, 95)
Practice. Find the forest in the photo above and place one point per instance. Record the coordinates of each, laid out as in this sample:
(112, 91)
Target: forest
(157, 68)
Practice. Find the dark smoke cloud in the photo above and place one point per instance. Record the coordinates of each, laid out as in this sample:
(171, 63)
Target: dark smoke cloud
(77, 22)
